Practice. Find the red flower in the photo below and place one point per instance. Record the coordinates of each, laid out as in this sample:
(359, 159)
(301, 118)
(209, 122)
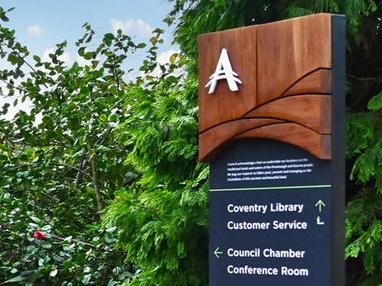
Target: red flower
(39, 235)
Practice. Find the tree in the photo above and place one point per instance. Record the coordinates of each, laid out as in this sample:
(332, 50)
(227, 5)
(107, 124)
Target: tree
(102, 141)
(111, 175)
(364, 103)
(61, 163)
(163, 215)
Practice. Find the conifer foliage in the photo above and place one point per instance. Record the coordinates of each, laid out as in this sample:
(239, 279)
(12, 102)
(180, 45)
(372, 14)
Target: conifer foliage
(100, 182)
(364, 104)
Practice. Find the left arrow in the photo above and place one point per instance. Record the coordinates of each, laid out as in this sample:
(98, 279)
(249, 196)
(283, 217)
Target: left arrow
(217, 252)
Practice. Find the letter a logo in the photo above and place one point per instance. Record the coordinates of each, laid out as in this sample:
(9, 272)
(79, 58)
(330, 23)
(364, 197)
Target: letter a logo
(223, 71)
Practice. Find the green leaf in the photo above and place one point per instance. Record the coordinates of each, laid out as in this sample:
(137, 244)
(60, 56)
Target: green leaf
(81, 51)
(35, 219)
(3, 17)
(108, 39)
(141, 45)
(173, 58)
(53, 273)
(23, 277)
(103, 117)
(37, 58)
(375, 103)
(88, 56)
(158, 31)
(15, 59)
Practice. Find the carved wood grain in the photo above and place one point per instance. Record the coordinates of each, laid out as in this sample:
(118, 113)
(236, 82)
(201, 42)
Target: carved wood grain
(217, 137)
(317, 144)
(225, 105)
(288, 50)
(285, 72)
(319, 81)
(303, 109)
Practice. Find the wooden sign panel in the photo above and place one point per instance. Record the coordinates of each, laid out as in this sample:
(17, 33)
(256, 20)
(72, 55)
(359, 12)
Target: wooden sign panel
(286, 75)
(271, 102)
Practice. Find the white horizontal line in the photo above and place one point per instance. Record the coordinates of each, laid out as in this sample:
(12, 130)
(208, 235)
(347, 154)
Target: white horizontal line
(273, 188)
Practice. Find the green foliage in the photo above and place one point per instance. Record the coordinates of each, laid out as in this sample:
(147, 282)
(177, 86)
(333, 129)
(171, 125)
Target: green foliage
(364, 222)
(61, 163)
(93, 139)
(194, 17)
(375, 102)
(164, 233)
(108, 167)
(364, 85)
(360, 131)
(163, 215)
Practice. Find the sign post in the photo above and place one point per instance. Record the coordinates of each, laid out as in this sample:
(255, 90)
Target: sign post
(271, 100)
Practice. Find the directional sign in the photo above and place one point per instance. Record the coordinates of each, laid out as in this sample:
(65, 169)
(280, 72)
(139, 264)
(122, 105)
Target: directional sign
(272, 111)
(266, 228)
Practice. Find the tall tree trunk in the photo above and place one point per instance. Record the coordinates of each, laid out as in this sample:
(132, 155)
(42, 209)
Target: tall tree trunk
(97, 188)
(80, 173)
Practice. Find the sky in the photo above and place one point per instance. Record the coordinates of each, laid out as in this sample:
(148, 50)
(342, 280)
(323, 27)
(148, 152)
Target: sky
(41, 24)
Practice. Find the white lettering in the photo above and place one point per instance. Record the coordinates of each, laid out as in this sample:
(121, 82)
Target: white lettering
(269, 252)
(290, 225)
(285, 271)
(247, 225)
(251, 270)
(279, 207)
(231, 208)
(243, 252)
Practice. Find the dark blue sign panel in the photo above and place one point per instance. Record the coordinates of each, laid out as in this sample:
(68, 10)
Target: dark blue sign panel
(270, 216)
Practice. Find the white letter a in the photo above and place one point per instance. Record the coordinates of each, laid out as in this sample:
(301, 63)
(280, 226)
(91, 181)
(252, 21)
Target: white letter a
(223, 71)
